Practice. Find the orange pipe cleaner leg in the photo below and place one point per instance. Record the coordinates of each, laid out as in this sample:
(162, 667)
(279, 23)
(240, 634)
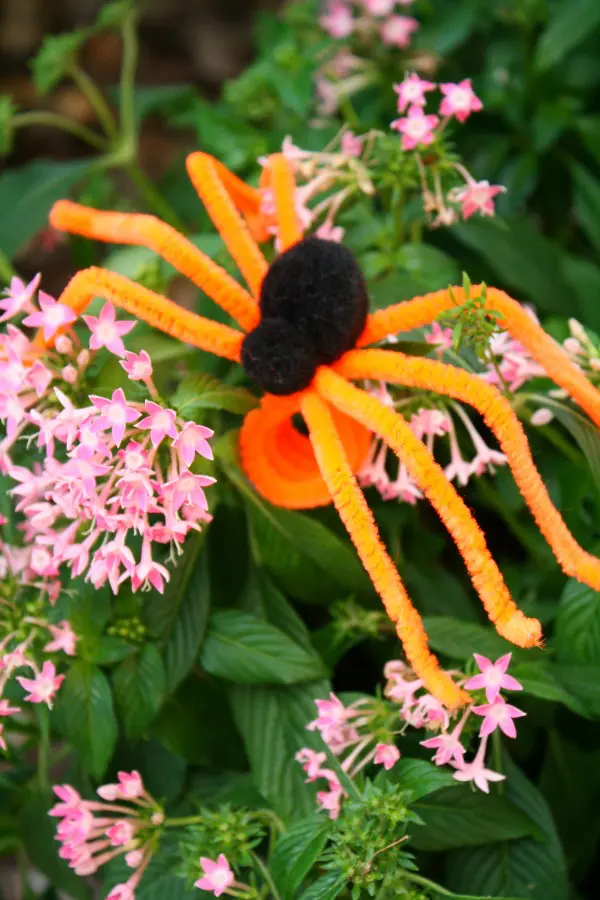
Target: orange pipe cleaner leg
(148, 231)
(429, 476)
(151, 308)
(204, 175)
(358, 519)
(500, 418)
(423, 310)
(279, 177)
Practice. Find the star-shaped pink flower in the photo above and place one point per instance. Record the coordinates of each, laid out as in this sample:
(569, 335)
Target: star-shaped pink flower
(115, 414)
(386, 755)
(188, 489)
(44, 686)
(192, 439)
(493, 677)
(63, 638)
(459, 100)
(477, 773)
(7, 710)
(411, 91)
(499, 714)
(51, 316)
(338, 21)
(106, 331)
(478, 196)
(160, 422)
(416, 128)
(18, 296)
(137, 365)
(397, 30)
(217, 877)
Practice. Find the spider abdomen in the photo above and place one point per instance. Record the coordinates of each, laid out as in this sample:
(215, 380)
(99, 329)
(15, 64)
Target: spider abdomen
(314, 307)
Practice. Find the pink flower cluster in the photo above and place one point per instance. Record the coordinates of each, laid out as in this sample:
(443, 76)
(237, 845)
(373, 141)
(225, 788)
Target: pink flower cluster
(217, 876)
(15, 655)
(368, 19)
(110, 468)
(422, 710)
(353, 733)
(125, 821)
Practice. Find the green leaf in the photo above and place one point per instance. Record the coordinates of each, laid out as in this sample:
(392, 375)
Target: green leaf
(85, 715)
(139, 685)
(28, 193)
(327, 887)
(526, 868)
(583, 683)
(583, 431)
(577, 632)
(306, 559)
(420, 777)
(245, 649)
(112, 650)
(263, 599)
(459, 640)
(55, 57)
(569, 26)
(448, 29)
(587, 203)
(158, 883)
(461, 817)
(520, 257)
(38, 832)
(296, 852)
(272, 722)
(7, 111)
(541, 679)
(187, 631)
(201, 391)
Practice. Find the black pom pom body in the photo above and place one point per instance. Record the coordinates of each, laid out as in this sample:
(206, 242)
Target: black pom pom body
(314, 307)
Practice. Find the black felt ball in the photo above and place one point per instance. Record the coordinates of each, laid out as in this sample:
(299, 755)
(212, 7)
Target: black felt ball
(278, 358)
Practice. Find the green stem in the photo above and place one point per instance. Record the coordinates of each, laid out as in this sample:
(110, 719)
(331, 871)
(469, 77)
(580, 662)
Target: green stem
(497, 756)
(350, 114)
(97, 100)
(44, 746)
(426, 882)
(6, 268)
(186, 820)
(127, 83)
(266, 875)
(64, 123)
(153, 198)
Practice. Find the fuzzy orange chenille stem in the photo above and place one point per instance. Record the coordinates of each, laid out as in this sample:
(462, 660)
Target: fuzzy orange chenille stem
(498, 415)
(429, 476)
(514, 318)
(151, 308)
(204, 175)
(279, 460)
(148, 231)
(358, 519)
(278, 176)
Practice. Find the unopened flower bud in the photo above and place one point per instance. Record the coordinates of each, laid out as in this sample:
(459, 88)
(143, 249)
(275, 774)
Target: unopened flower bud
(63, 344)
(542, 416)
(69, 374)
(83, 359)
(573, 346)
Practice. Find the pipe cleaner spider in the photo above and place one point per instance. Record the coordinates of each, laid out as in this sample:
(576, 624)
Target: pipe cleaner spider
(305, 319)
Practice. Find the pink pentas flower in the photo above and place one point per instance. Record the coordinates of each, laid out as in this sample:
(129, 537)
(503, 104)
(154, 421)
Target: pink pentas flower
(134, 858)
(120, 833)
(137, 365)
(416, 128)
(159, 421)
(478, 196)
(2, 741)
(329, 232)
(51, 316)
(7, 710)
(116, 414)
(63, 638)
(493, 677)
(397, 30)
(338, 21)
(149, 572)
(411, 91)
(331, 800)
(447, 746)
(44, 686)
(476, 771)
(217, 877)
(188, 488)
(18, 296)
(312, 762)
(498, 714)
(121, 892)
(379, 7)
(441, 338)
(351, 144)
(386, 755)
(193, 439)
(107, 331)
(459, 100)
(70, 804)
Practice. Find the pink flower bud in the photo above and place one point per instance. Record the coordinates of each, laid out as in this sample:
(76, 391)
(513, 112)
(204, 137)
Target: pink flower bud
(69, 374)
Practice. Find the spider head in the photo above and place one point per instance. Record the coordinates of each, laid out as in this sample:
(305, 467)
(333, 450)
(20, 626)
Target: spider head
(314, 306)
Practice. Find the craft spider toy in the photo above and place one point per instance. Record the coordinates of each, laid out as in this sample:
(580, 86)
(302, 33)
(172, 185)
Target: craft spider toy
(304, 320)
